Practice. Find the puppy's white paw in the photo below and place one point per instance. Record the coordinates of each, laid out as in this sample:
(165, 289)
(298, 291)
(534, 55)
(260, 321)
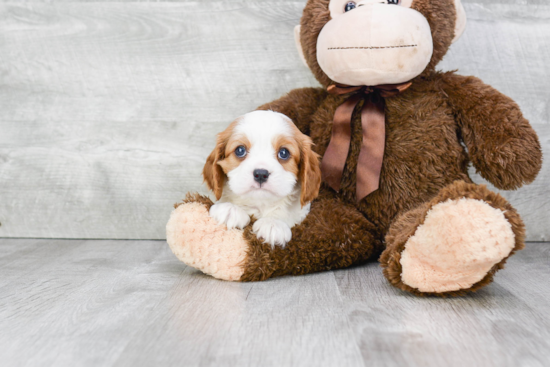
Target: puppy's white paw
(229, 214)
(273, 231)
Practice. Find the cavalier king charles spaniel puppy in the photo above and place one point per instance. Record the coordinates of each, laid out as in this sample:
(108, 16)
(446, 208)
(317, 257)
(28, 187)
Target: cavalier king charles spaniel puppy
(263, 166)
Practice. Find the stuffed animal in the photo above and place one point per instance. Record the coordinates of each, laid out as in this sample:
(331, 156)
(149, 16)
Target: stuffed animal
(396, 138)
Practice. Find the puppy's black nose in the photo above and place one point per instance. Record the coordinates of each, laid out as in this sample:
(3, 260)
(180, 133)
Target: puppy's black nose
(261, 175)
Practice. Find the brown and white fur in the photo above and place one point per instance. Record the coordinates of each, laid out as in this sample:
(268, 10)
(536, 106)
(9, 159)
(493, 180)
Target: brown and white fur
(279, 199)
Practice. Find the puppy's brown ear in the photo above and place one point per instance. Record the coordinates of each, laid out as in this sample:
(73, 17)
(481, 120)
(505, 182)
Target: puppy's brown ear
(309, 173)
(213, 174)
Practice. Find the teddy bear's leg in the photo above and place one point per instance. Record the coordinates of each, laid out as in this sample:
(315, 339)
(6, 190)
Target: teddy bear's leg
(334, 235)
(454, 243)
(200, 242)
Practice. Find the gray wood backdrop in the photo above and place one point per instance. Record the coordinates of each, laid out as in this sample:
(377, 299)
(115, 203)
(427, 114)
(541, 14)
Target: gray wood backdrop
(108, 110)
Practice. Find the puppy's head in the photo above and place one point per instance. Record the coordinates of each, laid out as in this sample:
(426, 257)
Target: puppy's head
(263, 155)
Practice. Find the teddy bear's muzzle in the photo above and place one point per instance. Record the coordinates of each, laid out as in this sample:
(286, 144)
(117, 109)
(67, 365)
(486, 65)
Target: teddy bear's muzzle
(375, 44)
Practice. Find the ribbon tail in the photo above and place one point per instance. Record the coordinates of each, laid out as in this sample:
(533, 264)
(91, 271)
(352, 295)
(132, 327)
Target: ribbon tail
(334, 159)
(369, 164)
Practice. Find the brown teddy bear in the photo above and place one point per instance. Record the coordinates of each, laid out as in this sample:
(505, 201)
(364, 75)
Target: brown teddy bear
(396, 138)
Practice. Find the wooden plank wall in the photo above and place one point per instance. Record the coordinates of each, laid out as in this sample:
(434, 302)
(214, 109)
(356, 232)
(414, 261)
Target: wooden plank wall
(109, 109)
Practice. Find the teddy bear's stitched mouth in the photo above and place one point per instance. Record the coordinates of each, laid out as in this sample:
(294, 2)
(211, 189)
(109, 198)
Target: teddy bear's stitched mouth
(369, 48)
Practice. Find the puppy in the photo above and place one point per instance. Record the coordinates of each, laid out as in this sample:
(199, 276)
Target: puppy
(263, 166)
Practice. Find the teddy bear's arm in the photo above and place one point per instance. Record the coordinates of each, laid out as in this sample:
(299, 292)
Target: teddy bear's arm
(298, 105)
(502, 145)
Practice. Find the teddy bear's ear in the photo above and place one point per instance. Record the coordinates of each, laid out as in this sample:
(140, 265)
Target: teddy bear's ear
(460, 24)
(299, 44)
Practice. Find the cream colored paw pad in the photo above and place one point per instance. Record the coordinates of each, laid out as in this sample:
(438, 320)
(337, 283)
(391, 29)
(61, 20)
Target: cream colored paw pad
(459, 242)
(199, 241)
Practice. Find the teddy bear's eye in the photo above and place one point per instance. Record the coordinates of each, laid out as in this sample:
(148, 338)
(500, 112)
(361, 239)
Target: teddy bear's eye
(240, 151)
(350, 6)
(283, 154)
(394, 2)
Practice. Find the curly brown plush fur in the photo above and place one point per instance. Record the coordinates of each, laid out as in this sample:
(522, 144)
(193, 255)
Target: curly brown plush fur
(434, 130)
(426, 127)
(334, 235)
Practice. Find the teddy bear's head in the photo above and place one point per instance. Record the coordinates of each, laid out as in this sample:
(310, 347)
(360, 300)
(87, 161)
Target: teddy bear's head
(373, 42)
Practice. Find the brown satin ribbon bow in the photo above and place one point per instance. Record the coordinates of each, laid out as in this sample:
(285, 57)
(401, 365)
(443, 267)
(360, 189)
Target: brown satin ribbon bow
(373, 124)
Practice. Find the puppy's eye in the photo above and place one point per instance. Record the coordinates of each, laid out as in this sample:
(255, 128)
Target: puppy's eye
(283, 154)
(350, 6)
(394, 2)
(240, 151)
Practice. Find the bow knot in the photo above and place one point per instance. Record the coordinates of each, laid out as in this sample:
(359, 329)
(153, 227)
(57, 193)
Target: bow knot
(373, 123)
(385, 90)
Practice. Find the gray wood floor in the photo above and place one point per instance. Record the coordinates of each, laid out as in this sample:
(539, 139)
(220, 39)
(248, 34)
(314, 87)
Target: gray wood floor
(131, 303)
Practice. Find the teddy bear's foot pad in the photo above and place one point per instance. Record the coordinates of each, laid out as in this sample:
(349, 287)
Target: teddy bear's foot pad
(456, 246)
(199, 241)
